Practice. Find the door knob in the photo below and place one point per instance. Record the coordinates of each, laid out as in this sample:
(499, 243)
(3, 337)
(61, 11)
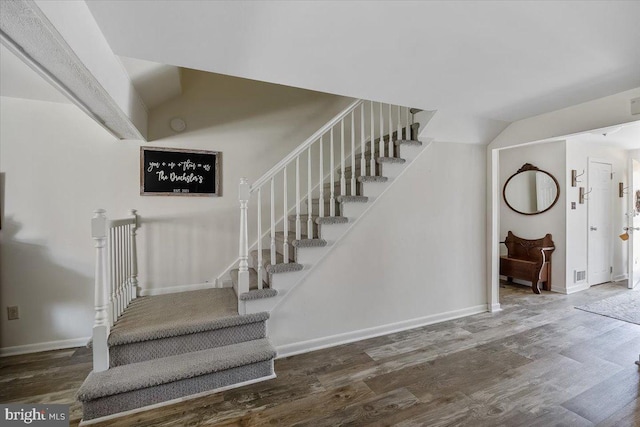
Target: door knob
(592, 228)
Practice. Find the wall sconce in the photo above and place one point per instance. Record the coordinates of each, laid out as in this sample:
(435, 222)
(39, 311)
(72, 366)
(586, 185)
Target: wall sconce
(582, 194)
(622, 190)
(575, 176)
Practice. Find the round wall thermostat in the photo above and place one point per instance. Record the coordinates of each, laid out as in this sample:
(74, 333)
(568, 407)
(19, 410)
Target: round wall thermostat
(178, 125)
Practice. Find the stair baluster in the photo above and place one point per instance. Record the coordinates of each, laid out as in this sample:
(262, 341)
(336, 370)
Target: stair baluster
(332, 168)
(390, 131)
(343, 184)
(272, 247)
(259, 267)
(112, 276)
(381, 144)
(298, 224)
(399, 131)
(309, 199)
(407, 131)
(363, 160)
(372, 143)
(134, 255)
(353, 153)
(285, 248)
(321, 178)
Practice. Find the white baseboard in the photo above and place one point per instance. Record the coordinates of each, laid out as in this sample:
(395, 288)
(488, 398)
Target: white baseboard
(620, 277)
(287, 350)
(174, 401)
(175, 289)
(43, 346)
(576, 288)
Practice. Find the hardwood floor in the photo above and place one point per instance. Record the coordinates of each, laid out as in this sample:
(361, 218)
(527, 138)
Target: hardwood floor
(539, 362)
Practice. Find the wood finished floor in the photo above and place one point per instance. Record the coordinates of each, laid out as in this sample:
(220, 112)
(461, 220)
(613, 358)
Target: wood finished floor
(539, 362)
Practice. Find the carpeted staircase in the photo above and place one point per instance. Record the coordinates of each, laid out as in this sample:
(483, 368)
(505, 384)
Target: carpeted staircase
(304, 253)
(168, 347)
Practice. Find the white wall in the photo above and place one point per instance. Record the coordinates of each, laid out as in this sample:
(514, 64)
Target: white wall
(579, 150)
(59, 166)
(416, 257)
(551, 158)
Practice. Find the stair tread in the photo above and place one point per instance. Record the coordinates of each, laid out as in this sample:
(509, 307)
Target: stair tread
(409, 142)
(163, 316)
(353, 199)
(304, 242)
(374, 178)
(390, 160)
(325, 219)
(136, 376)
(258, 294)
(280, 266)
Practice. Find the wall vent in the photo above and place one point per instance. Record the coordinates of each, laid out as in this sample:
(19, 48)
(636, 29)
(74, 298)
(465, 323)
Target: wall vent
(579, 276)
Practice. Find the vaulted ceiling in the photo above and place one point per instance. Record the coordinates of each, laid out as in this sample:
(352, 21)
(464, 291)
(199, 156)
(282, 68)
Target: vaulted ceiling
(499, 60)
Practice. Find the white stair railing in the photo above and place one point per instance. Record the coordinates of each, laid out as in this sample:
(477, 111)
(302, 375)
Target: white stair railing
(298, 171)
(116, 277)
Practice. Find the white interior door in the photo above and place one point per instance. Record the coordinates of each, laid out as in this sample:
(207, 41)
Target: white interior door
(599, 222)
(633, 223)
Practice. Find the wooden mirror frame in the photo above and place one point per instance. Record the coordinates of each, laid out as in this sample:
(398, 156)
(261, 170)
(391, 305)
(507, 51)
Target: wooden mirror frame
(525, 168)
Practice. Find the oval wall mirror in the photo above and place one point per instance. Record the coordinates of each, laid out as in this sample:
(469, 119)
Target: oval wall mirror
(531, 191)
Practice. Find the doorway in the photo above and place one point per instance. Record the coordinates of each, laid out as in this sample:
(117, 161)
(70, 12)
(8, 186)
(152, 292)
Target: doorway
(599, 222)
(633, 223)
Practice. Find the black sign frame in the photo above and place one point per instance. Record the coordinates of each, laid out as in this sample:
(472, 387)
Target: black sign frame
(193, 180)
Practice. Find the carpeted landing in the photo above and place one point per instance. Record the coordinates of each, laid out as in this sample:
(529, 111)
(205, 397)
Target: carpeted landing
(172, 346)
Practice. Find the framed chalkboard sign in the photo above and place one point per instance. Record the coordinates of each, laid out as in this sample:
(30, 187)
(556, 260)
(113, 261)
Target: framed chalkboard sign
(178, 172)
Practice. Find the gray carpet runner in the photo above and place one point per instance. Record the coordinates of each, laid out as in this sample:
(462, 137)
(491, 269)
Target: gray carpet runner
(142, 384)
(170, 346)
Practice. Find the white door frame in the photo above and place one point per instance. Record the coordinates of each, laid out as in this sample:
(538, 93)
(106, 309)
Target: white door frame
(591, 160)
(633, 221)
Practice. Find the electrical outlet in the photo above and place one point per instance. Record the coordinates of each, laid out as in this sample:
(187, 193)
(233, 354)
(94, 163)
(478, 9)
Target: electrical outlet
(13, 313)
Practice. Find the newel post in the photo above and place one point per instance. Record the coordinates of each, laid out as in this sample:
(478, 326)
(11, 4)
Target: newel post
(134, 256)
(243, 273)
(101, 300)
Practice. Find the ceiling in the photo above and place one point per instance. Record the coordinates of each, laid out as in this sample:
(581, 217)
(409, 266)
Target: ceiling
(492, 59)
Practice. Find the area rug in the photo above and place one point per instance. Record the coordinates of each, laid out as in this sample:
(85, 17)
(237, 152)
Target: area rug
(625, 306)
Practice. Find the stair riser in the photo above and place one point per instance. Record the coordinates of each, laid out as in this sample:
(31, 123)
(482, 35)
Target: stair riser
(280, 249)
(393, 170)
(337, 189)
(359, 170)
(409, 152)
(354, 210)
(110, 405)
(303, 227)
(309, 256)
(332, 232)
(374, 189)
(164, 347)
(327, 209)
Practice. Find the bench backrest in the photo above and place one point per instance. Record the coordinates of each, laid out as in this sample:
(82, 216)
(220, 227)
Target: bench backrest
(528, 249)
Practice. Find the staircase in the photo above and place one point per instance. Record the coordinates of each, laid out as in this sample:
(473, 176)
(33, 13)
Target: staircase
(360, 169)
(157, 349)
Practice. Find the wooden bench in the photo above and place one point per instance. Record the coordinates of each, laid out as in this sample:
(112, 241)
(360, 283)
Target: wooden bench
(528, 260)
